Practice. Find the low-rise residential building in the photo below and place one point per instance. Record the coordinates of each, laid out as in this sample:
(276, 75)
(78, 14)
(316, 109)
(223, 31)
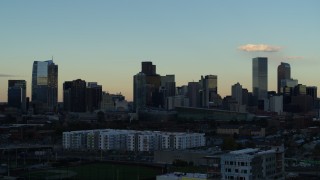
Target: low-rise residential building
(130, 140)
(251, 164)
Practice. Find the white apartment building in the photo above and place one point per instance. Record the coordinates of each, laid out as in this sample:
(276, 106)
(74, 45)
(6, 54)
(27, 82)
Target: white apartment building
(130, 140)
(74, 140)
(253, 164)
(112, 140)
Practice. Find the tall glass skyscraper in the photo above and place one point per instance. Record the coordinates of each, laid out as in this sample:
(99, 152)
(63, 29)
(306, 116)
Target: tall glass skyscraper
(45, 84)
(260, 77)
(284, 73)
(209, 87)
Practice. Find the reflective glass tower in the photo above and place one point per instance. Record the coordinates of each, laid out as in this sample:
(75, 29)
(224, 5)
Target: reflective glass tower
(260, 77)
(284, 72)
(209, 87)
(45, 84)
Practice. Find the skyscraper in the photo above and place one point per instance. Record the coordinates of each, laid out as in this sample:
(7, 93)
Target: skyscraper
(147, 85)
(209, 89)
(236, 91)
(260, 77)
(284, 72)
(45, 84)
(139, 91)
(148, 68)
(193, 94)
(17, 94)
(74, 95)
(93, 96)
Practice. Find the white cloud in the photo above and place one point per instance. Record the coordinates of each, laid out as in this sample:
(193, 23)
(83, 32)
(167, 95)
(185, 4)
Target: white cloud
(259, 48)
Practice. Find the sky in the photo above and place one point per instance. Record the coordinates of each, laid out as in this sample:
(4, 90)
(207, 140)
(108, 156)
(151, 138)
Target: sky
(106, 41)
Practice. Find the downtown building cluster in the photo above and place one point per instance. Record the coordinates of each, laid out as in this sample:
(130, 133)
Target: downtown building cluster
(130, 140)
(78, 95)
(153, 91)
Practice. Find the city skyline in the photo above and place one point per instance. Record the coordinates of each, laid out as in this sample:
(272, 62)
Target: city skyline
(105, 42)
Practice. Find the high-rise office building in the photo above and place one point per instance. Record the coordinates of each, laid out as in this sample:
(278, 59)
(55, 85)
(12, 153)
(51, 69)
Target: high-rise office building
(312, 91)
(284, 72)
(300, 89)
(168, 84)
(209, 90)
(287, 85)
(236, 92)
(17, 94)
(148, 68)
(45, 84)
(147, 87)
(93, 96)
(167, 88)
(139, 91)
(74, 95)
(194, 94)
(260, 77)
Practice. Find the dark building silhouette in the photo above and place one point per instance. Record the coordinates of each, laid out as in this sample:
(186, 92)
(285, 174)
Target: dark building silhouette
(154, 98)
(300, 90)
(17, 94)
(167, 88)
(312, 91)
(194, 94)
(209, 90)
(147, 87)
(45, 84)
(148, 68)
(139, 91)
(284, 72)
(303, 103)
(74, 95)
(245, 96)
(93, 96)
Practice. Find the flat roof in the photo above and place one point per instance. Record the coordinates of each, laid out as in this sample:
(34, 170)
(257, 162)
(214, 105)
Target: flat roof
(245, 151)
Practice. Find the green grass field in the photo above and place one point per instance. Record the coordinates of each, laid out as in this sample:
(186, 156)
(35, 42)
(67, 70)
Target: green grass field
(98, 171)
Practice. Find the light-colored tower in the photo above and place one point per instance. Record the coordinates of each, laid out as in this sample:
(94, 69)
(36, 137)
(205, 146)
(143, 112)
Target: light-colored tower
(260, 77)
(236, 92)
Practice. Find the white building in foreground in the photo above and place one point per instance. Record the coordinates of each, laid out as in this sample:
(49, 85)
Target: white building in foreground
(253, 164)
(130, 140)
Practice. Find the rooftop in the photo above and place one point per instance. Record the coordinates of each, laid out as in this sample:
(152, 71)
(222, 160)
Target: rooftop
(245, 151)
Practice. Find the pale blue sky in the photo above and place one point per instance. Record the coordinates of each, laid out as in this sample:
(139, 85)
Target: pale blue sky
(105, 41)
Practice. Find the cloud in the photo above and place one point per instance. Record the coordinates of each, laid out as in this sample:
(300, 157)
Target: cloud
(7, 75)
(293, 57)
(259, 48)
